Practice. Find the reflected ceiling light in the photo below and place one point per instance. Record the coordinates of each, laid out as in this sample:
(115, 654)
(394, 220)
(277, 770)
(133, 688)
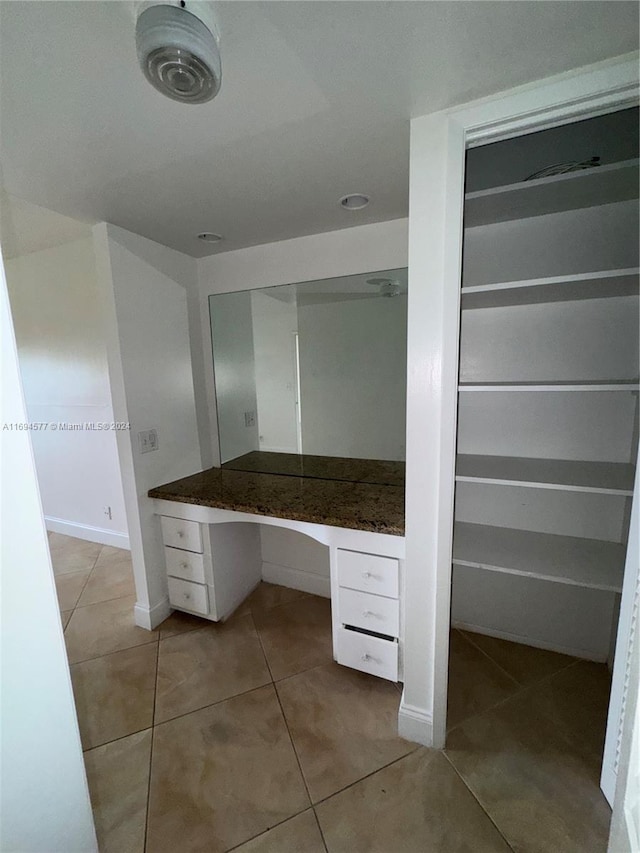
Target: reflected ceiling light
(178, 49)
(210, 237)
(354, 201)
(376, 282)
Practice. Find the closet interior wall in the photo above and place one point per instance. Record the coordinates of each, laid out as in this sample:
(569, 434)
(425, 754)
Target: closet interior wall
(548, 393)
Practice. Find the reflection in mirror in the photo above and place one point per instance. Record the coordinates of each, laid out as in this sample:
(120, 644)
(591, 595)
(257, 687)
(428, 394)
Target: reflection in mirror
(316, 368)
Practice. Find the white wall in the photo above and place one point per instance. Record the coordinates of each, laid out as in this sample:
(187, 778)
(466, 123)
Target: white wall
(364, 248)
(144, 291)
(63, 361)
(353, 362)
(275, 322)
(44, 799)
(235, 376)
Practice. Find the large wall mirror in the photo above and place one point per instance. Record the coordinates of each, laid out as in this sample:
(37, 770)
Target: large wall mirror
(311, 369)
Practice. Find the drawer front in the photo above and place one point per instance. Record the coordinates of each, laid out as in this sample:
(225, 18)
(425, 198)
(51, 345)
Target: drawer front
(373, 612)
(179, 533)
(188, 596)
(185, 564)
(368, 573)
(368, 654)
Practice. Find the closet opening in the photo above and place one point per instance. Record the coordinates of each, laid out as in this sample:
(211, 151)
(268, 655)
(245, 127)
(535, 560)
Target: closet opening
(547, 444)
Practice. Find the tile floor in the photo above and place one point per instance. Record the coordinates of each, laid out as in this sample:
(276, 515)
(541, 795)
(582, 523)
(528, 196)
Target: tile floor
(247, 737)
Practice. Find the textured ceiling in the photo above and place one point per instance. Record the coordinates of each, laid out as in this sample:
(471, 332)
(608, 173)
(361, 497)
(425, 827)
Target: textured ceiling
(315, 103)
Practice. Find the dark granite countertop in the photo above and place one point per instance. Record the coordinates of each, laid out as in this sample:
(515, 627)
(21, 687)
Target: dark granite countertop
(378, 471)
(357, 505)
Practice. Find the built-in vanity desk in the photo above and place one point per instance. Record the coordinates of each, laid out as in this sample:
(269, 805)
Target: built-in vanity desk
(354, 507)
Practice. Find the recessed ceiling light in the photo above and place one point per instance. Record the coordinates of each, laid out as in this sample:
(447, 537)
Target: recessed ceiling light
(354, 201)
(209, 237)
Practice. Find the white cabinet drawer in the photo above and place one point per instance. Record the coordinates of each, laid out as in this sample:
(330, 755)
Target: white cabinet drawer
(188, 596)
(373, 612)
(368, 654)
(368, 573)
(179, 533)
(185, 564)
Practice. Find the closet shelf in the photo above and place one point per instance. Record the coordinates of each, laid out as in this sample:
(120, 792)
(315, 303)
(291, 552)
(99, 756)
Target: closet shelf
(585, 188)
(561, 385)
(570, 560)
(606, 284)
(614, 478)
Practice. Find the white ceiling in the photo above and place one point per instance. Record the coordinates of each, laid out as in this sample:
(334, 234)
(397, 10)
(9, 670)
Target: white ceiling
(315, 103)
(26, 227)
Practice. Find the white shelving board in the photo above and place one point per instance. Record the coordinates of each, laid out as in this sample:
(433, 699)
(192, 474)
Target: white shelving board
(596, 385)
(567, 475)
(597, 186)
(562, 559)
(563, 288)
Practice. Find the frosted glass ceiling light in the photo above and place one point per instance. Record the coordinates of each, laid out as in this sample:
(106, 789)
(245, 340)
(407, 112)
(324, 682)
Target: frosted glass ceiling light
(178, 50)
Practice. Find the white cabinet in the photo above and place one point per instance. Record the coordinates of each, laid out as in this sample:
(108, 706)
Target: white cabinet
(548, 407)
(210, 569)
(366, 603)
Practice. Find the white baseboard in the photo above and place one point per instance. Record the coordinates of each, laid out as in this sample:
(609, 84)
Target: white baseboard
(297, 579)
(151, 617)
(85, 531)
(529, 641)
(415, 724)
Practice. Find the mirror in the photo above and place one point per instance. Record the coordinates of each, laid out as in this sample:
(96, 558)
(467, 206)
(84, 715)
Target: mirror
(312, 369)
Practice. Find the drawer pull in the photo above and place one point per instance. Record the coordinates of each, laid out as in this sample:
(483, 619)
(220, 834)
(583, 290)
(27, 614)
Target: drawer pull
(184, 565)
(366, 574)
(367, 613)
(366, 657)
(181, 534)
(187, 596)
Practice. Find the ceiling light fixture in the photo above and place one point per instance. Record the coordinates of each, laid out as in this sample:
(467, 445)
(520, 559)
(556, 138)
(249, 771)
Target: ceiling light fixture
(354, 201)
(178, 49)
(210, 237)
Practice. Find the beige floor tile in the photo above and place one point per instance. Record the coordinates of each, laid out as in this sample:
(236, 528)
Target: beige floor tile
(65, 615)
(539, 790)
(300, 834)
(296, 636)
(577, 700)
(268, 595)
(475, 682)
(99, 629)
(344, 725)
(109, 579)
(417, 805)
(180, 623)
(114, 694)
(524, 663)
(109, 554)
(206, 666)
(69, 588)
(72, 555)
(118, 776)
(222, 775)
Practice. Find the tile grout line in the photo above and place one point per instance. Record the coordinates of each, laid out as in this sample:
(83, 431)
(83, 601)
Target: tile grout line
(265, 831)
(153, 737)
(572, 661)
(417, 746)
(284, 717)
(324, 841)
(473, 794)
(488, 656)
(517, 694)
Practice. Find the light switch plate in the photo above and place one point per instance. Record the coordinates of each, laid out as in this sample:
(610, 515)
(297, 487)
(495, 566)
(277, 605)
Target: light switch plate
(148, 440)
